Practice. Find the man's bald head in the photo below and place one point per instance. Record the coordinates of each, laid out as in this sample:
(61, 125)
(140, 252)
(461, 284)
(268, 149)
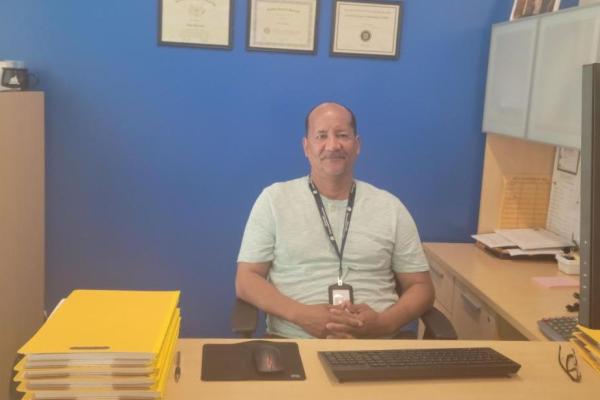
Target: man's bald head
(330, 104)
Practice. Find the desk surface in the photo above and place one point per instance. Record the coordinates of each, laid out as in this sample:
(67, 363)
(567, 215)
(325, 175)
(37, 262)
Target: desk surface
(506, 285)
(539, 377)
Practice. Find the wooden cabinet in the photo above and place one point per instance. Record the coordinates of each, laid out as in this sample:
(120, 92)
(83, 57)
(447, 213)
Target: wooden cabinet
(443, 282)
(534, 83)
(21, 223)
(469, 316)
(490, 298)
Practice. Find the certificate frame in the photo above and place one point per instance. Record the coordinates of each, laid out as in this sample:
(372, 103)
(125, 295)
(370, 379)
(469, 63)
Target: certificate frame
(279, 30)
(196, 23)
(353, 28)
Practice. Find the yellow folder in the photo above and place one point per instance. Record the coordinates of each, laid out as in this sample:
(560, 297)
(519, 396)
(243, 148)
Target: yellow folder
(585, 352)
(105, 324)
(83, 368)
(118, 395)
(592, 334)
(167, 362)
(156, 391)
(81, 371)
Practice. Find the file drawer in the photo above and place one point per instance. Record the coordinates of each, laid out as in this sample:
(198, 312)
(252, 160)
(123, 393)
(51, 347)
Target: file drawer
(471, 318)
(443, 283)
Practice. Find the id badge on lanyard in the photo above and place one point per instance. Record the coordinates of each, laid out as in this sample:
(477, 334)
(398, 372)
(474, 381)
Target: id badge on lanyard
(340, 292)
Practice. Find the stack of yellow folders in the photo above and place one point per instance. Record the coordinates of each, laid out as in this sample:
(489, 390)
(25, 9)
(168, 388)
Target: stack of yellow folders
(587, 342)
(102, 344)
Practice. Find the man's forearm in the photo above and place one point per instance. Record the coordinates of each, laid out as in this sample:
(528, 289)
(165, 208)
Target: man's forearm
(255, 289)
(417, 299)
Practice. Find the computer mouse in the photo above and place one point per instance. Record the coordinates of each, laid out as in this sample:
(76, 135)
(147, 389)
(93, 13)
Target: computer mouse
(267, 359)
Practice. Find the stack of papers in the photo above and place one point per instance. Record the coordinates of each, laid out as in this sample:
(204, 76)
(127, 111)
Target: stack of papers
(102, 344)
(587, 343)
(529, 241)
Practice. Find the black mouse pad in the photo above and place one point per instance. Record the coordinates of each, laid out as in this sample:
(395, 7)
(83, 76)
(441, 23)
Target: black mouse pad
(235, 362)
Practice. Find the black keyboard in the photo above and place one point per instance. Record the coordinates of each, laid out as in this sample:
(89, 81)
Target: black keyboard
(418, 363)
(559, 328)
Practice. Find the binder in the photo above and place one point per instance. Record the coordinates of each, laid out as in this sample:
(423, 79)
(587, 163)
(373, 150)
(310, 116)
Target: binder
(104, 325)
(102, 344)
(116, 395)
(83, 372)
(593, 335)
(587, 343)
(156, 391)
(108, 377)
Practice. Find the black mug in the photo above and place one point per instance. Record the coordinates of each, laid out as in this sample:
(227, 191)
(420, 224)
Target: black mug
(17, 78)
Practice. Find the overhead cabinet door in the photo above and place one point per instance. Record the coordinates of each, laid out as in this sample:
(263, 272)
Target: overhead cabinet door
(566, 41)
(509, 77)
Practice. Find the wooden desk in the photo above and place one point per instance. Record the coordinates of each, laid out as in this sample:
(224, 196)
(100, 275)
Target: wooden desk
(505, 287)
(539, 377)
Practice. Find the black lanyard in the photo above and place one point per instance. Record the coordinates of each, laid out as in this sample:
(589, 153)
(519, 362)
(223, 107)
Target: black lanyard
(327, 225)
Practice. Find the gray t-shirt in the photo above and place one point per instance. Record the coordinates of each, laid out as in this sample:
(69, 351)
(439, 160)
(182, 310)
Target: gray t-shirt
(285, 228)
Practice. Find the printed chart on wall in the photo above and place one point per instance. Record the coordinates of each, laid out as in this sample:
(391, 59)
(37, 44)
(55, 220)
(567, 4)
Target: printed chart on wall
(524, 201)
(564, 206)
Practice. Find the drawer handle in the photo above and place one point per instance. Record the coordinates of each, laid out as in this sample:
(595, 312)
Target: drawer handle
(474, 304)
(438, 273)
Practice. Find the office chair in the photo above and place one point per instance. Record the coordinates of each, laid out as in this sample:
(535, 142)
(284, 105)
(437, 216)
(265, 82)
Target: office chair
(244, 320)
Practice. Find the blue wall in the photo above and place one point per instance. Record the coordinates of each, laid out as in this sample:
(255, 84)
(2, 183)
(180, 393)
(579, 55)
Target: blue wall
(156, 154)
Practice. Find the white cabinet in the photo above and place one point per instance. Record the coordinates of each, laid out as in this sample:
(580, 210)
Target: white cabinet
(533, 86)
(509, 77)
(566, 42)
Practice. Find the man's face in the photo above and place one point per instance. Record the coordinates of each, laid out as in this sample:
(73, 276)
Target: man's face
(331, 145)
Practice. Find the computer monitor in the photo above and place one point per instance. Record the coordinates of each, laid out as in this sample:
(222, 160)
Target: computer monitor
(589, 308)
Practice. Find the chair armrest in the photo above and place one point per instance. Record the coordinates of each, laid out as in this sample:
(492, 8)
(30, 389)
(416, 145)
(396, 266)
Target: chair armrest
(244, 318)
(437, 326)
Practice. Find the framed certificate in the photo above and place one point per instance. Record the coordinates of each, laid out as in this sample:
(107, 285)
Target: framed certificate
(366, 28)
(195, 23)
(283, 25)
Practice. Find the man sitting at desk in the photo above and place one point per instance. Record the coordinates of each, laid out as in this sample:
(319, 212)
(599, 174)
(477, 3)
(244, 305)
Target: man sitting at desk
(313, 243)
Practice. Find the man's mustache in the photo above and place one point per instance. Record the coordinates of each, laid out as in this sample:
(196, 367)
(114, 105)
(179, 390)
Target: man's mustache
(333, 155)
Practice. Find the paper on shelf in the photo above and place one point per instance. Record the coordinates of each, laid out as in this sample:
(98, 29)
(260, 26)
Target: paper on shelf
(532, 239)
(520, 252)
(493, 240)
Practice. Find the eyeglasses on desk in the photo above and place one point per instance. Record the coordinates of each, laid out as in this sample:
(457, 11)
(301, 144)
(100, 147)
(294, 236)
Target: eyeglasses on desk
(569, 365)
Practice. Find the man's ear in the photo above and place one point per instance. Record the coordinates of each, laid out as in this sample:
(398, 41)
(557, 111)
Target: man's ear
(359, 144)
(304, 145)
